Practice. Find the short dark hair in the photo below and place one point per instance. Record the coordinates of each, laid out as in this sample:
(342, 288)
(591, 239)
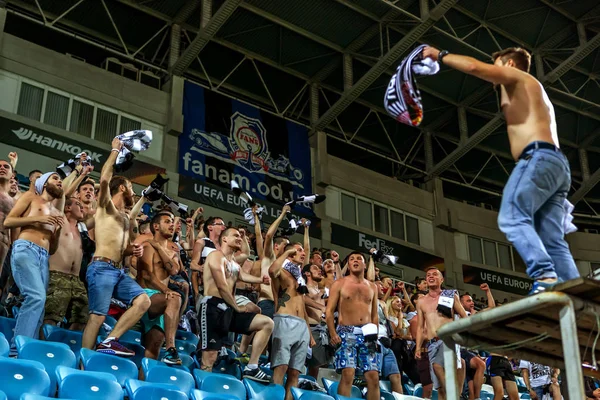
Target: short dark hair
(358, 253)
(86, 182)
(11, 166)
(34, 172)
(156, 220)
(463, 295)
(116, 182)
(306, 269)
(280, 239)
(292, 244)
(520, 57)
(208, 222)
(225, 233)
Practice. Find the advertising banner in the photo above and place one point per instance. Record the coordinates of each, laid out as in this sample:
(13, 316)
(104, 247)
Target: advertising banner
(225, 140)
(407, 256)
(62, 148)
(496, 280)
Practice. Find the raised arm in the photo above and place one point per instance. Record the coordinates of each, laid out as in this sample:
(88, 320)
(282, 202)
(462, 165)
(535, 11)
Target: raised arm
(216, 265)
(260, 243)
(133, 224)
(458, 308)
(272, 230)
(13, 158)
(371, 268)
(104, 198)
(306, 236)
(275, 268)
(488, 292)
(244, 251)
(469, 65)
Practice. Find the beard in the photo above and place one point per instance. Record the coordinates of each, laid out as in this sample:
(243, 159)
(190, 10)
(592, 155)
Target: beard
(54, 191)
(128, 199)
(316, 278)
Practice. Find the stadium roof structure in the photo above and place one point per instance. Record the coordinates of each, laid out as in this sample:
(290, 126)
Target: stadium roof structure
(326, 64)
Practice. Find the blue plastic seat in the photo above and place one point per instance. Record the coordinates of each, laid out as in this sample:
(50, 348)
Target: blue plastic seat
(220, 383)
(7, 327)
(385, 386)
(259, 391)
(3, 395)
(23, 376)
(331, 387)
(299, 394)
(186, 360)
(4, 347)
(29, 396)
(131, 336)
(383, 395)
(162, 374)
(140, 390)
(110, 321)
(120, 368)
(187, 336)
(50, 354)
(139, 351)
(70, 338)
(76, 384)
(202, 395)
(185, 347)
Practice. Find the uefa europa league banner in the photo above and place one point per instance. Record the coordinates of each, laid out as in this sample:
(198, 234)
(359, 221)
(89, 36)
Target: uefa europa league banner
(225, 140)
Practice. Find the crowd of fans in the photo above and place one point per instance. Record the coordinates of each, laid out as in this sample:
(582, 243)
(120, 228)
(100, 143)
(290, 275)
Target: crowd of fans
(75, 250)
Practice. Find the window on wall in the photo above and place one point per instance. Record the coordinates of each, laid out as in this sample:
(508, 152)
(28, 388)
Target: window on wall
(65, 111)
(31, 101)
(494, 254)
(379, 218)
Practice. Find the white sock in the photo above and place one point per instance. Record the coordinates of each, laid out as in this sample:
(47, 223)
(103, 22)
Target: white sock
(108, 339)
(252, 366)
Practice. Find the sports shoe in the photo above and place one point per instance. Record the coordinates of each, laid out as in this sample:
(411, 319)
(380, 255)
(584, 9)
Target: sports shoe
(256, 374)
(244, 358)
(113, 347)
(171, 357)
(541, 287)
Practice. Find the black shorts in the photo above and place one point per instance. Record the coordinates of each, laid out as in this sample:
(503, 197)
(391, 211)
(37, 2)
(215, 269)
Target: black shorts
(500, 366)
(267, 307)
(424, 370)
(217, 319)
(468, 356)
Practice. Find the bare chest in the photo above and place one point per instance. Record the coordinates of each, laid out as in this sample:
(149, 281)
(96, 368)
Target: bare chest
(361, 293)
(6, 204)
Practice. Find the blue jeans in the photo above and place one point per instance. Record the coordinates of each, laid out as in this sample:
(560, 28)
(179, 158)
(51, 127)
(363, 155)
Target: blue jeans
(105, 282)
(532, 212)
(29, 265)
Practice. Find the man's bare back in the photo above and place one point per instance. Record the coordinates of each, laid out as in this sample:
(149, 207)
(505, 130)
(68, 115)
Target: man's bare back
(69, 253)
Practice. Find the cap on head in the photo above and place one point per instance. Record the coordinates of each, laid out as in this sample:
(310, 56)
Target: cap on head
(41, 182)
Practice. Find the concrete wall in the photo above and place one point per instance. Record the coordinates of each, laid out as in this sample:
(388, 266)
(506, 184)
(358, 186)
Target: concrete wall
(63, 72)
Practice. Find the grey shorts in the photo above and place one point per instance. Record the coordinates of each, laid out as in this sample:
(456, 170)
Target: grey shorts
(322, 352)
(290, 341)
(241, 301)
(436, 355)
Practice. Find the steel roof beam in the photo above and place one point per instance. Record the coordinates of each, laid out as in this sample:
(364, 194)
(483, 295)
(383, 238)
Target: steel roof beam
(585, 188)
(463, 149)
(205, 35)
(186, 11)
(383, 64)
(582, 52)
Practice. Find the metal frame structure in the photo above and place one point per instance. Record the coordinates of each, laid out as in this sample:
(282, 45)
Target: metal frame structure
(554, 58)
(453, 333)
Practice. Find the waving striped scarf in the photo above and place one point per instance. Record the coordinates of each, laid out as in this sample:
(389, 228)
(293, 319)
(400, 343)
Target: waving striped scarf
(402, 98)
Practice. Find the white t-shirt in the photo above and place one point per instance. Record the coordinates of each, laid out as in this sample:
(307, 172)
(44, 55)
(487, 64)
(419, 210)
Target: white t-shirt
(539, 375)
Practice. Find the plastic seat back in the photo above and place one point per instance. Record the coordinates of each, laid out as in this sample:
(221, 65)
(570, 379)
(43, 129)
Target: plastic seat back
(187, 337)
(259, 391)
(139, 351)
(3, 395)
(121, 368)
(29, 396)
(161, 374)
(183, 346)
(224, 384)
(76, 384)
(7, 327)
(21, 376)
(132, 336)
(299, 394)
(202, 395)
(70, 338)
(332, 386)
(4, 346)
(50, 354)
(140, 390)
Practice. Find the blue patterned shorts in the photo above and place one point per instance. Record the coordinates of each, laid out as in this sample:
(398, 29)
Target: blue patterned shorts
(354, 352)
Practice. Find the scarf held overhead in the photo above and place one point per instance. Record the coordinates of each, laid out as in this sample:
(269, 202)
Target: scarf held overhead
(402, 98)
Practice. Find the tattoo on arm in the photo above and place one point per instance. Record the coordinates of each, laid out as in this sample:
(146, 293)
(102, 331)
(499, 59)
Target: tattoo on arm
(282, 298)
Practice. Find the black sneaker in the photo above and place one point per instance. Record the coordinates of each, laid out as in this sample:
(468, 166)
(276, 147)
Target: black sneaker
(172, 357)
(256, 374)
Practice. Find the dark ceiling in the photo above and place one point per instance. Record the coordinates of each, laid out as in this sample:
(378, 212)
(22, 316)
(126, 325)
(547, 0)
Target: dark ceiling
(326, 63)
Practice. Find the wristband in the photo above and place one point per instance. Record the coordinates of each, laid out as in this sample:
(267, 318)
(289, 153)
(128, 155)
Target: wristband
(117, 150)
(441, 56)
